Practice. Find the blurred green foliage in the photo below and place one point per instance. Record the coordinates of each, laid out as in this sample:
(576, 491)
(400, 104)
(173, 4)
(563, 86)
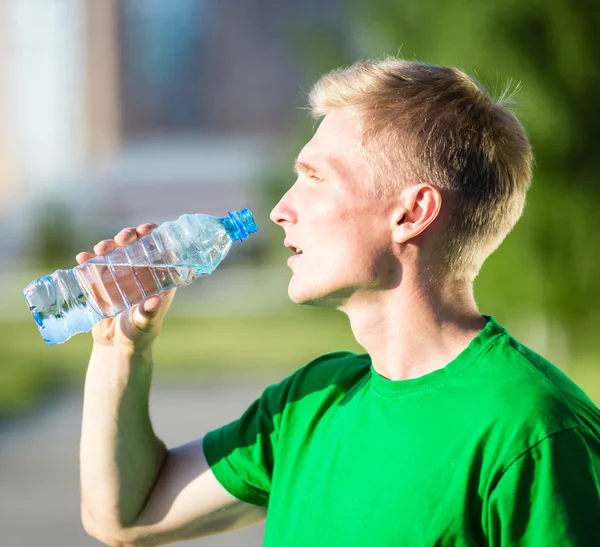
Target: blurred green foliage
(54, 237)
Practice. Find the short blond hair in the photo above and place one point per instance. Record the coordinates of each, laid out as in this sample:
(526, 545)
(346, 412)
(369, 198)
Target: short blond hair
(436, 124)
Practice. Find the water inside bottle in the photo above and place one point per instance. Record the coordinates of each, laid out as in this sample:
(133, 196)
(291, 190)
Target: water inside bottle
(61, 310)
(116, 287)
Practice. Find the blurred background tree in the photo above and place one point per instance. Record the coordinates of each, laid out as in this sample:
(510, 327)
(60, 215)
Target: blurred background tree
(54, 238)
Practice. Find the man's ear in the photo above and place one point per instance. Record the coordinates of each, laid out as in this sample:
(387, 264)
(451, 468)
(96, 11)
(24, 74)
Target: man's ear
(419, 207)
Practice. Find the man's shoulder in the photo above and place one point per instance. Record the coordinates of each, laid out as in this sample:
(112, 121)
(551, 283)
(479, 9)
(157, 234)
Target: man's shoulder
(336, 371)
(531, 379)
(529, 397)
(340, 368)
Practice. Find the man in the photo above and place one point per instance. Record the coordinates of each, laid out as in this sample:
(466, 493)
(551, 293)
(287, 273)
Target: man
(447, 431)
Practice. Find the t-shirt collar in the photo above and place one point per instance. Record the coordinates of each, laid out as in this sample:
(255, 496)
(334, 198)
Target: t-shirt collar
(437, 378)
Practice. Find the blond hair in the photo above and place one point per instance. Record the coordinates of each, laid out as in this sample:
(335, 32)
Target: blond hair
(436, 124)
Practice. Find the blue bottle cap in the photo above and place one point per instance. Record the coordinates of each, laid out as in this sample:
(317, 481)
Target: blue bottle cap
(243, 224)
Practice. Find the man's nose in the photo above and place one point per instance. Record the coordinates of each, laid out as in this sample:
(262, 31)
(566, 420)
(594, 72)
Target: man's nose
(282, 212)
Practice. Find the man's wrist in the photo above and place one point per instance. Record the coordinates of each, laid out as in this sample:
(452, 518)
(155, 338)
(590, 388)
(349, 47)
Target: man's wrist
(124, 359)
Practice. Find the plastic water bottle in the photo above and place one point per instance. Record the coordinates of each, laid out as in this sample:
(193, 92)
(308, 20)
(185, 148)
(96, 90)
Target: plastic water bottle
(173, 255)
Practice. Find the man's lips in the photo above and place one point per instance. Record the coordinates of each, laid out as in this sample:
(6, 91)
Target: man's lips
(292, 247)
(293, 259)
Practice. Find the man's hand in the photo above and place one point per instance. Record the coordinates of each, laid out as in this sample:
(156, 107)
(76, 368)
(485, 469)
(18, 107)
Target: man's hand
(137, 327)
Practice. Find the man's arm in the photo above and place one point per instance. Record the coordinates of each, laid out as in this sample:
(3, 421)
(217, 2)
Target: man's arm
(550, 495)
(134, 491)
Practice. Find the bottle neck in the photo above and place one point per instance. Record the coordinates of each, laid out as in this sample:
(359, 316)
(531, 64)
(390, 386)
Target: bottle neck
(239, 224)
(230, 228)
(235, 228)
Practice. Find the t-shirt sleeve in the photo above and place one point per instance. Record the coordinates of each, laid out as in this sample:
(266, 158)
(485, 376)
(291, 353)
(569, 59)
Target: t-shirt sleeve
(241, 454)
(549, 496)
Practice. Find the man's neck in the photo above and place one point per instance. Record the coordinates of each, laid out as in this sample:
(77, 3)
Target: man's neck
(410, 332)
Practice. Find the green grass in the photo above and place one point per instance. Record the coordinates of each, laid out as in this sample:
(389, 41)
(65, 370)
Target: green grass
(187, 347)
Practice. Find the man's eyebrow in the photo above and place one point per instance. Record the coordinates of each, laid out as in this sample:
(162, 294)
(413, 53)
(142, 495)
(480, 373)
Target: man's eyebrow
(302, 166)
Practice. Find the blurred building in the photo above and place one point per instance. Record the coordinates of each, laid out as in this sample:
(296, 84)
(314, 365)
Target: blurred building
(125, 111)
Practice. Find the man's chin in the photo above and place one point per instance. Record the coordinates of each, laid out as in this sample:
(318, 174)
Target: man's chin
(303, 298)
(325, 300)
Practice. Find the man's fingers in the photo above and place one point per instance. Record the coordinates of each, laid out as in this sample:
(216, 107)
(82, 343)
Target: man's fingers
(151, 305)
(143, 315)
(145, 229)
(84, 257)
(126, 236)
(105, 246)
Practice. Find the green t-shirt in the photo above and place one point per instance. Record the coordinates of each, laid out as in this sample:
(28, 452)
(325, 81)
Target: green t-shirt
(497, 448)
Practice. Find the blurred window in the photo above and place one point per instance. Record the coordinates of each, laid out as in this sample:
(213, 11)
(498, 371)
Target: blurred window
(162, 65)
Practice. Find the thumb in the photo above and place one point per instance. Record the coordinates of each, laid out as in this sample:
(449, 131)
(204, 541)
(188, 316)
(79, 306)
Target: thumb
(151, 305)
(146, 311)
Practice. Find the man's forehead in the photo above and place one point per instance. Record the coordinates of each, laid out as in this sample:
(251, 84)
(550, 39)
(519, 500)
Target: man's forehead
(341, 124)
(315, 158)
(336, 140)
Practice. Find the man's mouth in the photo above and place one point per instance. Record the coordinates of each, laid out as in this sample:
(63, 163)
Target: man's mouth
(295, 256)
(296, 250)
(292, 247)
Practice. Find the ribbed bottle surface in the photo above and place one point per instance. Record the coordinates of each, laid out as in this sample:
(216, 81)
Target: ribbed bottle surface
(173, 255)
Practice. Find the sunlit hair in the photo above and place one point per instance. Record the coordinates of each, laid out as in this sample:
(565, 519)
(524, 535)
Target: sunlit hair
(435, 124)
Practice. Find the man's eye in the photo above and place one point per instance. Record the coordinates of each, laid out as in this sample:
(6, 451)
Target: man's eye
(315, 177)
